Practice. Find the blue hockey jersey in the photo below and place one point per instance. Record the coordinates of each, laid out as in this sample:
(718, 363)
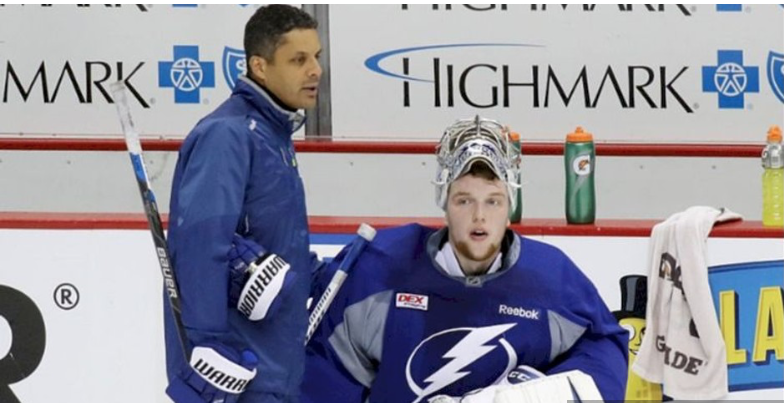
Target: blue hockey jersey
(237, 173)
(402, 330)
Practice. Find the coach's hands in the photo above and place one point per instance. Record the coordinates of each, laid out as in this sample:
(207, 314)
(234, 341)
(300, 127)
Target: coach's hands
(257, 279)
(216, 374)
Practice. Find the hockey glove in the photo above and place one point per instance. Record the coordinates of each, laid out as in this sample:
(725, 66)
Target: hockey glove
(257, 279)
(575, 386)
(522, 373)
(216, 374)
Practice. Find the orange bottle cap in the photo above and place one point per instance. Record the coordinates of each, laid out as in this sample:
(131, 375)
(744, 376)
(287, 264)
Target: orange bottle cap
(514, 136)
(579, 136)
(774, 134)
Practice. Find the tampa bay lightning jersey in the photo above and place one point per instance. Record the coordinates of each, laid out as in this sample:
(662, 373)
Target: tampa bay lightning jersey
(402, 330)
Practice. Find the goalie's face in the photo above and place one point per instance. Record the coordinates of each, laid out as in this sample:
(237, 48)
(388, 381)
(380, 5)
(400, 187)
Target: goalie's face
(477, 213)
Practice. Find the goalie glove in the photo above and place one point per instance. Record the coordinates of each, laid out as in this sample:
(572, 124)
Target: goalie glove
(524, 384)
(216, 374)
(518, 375)
(571, 386)
(257, 279)
(443, 399)
(521, 374)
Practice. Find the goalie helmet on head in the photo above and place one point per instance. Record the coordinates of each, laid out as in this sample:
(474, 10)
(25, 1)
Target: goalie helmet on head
(468, 141)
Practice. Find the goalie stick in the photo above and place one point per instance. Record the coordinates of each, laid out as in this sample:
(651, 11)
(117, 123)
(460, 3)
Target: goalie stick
(366, 234)
(150, 208)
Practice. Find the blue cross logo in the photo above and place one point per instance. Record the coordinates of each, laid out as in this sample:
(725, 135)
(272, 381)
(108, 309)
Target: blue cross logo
(186, 74)
(730, 79)
(776, 74)
(234, 65)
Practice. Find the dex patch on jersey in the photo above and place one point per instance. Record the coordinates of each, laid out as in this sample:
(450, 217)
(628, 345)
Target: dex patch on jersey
(412, 301)
(455, 361)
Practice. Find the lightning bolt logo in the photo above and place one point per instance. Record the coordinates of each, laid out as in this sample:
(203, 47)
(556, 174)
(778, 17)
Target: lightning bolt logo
(468, 350)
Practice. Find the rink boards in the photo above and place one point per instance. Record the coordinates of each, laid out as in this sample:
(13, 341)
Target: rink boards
(81, 310)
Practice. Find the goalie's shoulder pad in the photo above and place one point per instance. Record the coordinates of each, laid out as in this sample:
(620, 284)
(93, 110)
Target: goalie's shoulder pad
(269, 275)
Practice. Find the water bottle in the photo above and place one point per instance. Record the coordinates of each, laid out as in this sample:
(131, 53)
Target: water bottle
(773, 180)
(579, 161)
(517, 214)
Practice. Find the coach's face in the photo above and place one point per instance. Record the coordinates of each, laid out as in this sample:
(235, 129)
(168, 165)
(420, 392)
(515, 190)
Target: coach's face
(294, 72)
(477, 213)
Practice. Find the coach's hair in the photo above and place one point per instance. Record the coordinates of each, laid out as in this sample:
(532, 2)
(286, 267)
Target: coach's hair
(265, 29)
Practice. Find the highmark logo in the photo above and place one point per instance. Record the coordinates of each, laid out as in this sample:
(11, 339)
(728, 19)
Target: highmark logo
(373, 63)
(571, 8)
(730, 79)
(141, 7)
(453, 77)
(85, 81)
(186, 74)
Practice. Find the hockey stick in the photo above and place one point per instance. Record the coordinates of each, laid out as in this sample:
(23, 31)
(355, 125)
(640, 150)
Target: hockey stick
(150, 208)
(366, 234)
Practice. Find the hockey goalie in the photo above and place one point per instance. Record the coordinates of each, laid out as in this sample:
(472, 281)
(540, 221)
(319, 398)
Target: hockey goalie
(467, 312)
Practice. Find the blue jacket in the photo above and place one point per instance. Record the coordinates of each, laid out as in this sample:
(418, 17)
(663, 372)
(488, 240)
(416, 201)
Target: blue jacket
(403, 330)
(237, 172)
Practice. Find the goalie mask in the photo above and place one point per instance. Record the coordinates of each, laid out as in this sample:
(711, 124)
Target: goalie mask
(468, 141)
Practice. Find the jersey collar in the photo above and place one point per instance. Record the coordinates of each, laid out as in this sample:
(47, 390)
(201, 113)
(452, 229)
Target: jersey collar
(269, 105)
(510, 252)
(447, 258)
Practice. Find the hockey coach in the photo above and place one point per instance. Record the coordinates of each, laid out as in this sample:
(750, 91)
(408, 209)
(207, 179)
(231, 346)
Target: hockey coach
(238, 234)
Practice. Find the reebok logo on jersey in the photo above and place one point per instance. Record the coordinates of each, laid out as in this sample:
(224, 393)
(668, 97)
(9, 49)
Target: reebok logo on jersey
(412, 301)
(518, 311)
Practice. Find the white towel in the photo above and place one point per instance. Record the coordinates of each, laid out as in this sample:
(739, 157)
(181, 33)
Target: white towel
(683, 348)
